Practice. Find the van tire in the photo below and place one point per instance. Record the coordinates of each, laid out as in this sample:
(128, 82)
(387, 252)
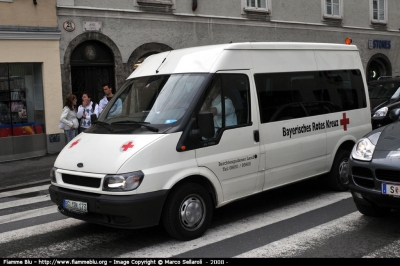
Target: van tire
(372, 211)
(184, 224)
(338, 179)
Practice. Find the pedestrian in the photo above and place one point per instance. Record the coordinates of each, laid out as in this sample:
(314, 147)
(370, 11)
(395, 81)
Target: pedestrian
(117, 106)
(68, 117)
(107, 97)
(213, 104)
(88, 112)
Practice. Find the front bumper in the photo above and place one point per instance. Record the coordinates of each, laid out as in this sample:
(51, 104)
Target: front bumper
(366, 179)
(134, 211)
(371, 198)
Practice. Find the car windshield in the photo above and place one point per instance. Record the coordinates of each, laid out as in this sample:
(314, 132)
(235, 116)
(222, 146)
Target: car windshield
(396, 94)
(156, 100)
(382, 90)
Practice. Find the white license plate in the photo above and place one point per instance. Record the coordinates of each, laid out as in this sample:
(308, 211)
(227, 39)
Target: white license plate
(75, 206)
(388, 189)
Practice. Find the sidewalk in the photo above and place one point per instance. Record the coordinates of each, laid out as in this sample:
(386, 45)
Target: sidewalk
(24, 172)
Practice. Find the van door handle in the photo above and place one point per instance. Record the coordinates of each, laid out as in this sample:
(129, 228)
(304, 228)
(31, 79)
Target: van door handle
(256, 135)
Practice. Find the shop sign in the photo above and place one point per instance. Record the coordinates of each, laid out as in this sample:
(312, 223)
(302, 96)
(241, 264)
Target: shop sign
(91, 26)
(379, 44)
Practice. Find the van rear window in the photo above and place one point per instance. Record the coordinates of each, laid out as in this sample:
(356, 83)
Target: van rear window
(292, 95)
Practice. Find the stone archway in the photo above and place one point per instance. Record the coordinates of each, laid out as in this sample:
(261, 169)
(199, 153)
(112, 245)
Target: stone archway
(379, 65)
(119, 68)
(92, 65)
(143, 51)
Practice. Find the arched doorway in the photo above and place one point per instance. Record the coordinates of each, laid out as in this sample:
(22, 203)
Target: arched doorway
(141, 59)
(378, 66)
(92, 65)
(144, 51)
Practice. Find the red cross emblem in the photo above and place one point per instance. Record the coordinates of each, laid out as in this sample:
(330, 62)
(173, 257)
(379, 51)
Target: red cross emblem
(344, 122)
(126, 146)
(74, 143)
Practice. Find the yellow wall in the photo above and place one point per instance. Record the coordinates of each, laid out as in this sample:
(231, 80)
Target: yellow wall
(46, 52)
(25, 13)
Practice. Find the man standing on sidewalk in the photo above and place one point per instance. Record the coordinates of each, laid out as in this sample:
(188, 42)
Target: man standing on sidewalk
(117, 107)
(107, 97)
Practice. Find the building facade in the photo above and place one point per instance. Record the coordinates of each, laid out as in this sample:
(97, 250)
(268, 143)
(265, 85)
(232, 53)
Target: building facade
(124, 32)
(30, 79)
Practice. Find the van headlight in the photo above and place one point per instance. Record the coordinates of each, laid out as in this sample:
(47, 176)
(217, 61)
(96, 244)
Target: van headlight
(53, 175)
(123, 182)
(363, 150)
(381, 112)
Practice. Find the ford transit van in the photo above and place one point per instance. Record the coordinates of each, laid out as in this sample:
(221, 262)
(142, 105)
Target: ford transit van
(198, 128)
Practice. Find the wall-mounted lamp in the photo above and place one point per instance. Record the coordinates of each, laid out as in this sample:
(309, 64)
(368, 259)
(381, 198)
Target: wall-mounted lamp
(34, 2)
(194, 5)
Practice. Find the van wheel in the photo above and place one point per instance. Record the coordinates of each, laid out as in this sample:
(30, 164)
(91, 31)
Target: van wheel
(338, 177)
(372, 211)
(187, 212)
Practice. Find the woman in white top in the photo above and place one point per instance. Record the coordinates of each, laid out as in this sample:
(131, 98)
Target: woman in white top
(85, 111)
(68, 117)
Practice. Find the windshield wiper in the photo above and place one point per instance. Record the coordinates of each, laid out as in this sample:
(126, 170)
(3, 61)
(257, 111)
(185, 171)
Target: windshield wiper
(104, 124)
(143, 124)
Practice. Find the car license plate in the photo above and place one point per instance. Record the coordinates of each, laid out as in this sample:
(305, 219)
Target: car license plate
(75, 206)
(388, 189)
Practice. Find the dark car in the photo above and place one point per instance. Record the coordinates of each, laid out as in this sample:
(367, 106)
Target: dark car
(374, 169)
(384, 96)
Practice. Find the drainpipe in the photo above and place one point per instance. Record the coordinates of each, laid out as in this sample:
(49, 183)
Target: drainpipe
(194, 5)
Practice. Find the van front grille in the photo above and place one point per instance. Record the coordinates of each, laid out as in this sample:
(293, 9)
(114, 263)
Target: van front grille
(81, 180)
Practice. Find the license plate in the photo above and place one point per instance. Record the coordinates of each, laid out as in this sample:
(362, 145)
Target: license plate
(75, 206)
(388, 189)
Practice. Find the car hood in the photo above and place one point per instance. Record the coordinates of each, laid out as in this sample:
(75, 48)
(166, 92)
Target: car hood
(101, 153)
(389, 139)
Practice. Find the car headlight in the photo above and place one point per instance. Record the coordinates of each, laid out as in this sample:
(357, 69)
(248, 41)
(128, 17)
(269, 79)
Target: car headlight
(123, 182)
(53, 175)
(365, 147)
(381, 112)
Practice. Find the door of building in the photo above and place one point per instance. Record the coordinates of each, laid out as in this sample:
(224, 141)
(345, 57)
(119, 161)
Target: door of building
(92, 65)
(90, 79)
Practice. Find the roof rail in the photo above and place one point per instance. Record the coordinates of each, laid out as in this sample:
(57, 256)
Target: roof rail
(388, 77)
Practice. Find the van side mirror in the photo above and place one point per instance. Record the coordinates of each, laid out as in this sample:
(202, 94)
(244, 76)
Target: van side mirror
(394, 114)
(205, 121)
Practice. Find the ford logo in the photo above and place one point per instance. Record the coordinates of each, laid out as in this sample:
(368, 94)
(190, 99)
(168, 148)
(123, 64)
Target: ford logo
(80, 165)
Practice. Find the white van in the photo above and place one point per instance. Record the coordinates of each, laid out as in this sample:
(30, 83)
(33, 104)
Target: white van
(202, 127)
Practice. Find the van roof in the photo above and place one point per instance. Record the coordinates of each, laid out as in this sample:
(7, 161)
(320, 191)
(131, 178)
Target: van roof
(202, 59)
(277, 46)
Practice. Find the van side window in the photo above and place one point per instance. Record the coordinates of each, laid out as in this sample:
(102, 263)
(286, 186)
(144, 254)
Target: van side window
(284, 96)
(344, 88)
(236, 87)
(228, 99)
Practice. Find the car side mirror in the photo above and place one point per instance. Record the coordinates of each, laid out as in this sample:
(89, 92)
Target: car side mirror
(205, 122)
(394, 114)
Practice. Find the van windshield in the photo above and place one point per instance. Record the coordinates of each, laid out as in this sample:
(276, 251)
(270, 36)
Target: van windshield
(156, 100)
